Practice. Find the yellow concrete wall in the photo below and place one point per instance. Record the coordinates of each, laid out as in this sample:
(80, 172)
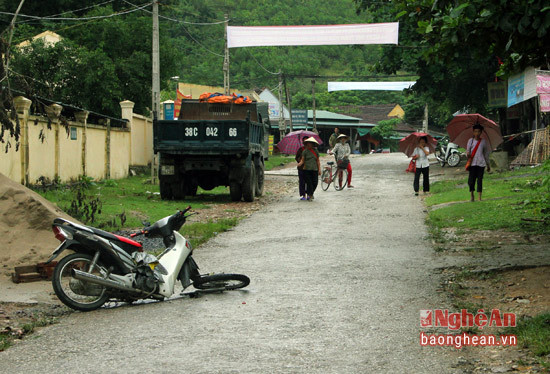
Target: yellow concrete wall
(140, 140)
(95, 152)
(41, 154)
(397, 111)
(10, 163)
(70, 154)
(120, 157)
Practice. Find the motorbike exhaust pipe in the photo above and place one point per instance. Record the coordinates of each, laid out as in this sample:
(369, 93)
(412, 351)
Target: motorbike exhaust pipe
(80, 275)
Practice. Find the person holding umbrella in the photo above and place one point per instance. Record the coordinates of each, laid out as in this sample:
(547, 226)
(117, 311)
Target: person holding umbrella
(420, 154)
(312, 166)
(478, 158)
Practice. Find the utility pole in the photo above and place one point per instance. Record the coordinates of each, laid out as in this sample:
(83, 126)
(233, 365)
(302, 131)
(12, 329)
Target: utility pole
(226, 61)
(288, 103)
(314, 113)
(282, 128)
(425, 121)
(156, 76)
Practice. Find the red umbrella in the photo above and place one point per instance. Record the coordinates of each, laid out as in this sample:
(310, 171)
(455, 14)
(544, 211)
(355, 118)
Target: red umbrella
(460, 130)
(292, 141)
(410, 142)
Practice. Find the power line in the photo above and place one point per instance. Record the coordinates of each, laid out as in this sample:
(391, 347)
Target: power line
(79, 18)
(258, 62)
(187, 31)
(349, 76)
(181, 21)
(74, 11)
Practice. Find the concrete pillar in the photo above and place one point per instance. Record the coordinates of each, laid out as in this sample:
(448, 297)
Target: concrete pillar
(54, 111)
(127, 108)
(108, 150)
(82, 117)
(22, 106)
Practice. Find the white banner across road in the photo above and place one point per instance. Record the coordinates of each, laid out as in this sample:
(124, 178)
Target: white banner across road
(261, 36)
(369, 86)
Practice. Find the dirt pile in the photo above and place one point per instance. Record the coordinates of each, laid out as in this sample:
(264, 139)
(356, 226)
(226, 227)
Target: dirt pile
(25, 226)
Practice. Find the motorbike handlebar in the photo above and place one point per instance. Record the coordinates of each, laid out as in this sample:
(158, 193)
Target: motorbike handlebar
(137, 234)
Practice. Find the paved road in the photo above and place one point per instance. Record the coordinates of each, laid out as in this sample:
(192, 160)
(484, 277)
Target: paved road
(337, 285)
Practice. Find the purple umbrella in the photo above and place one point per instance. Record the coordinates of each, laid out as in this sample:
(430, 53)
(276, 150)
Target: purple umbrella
(292, 141)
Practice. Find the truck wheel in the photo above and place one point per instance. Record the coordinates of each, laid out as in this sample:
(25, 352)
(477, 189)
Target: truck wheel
(260, 179)
(165, 191)
(191, 189)
(235, 191)
(178, 190)
(249, 183)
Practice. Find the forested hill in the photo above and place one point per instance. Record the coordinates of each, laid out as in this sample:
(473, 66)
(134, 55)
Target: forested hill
(102, 61)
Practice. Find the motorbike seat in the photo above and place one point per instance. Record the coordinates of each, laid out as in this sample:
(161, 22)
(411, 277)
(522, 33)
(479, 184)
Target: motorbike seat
(127, 244)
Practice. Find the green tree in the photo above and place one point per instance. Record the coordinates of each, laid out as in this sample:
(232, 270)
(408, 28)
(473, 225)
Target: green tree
(456, 47)
(67, 73)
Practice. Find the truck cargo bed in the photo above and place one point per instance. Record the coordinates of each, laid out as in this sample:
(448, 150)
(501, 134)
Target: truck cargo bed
(207, 136)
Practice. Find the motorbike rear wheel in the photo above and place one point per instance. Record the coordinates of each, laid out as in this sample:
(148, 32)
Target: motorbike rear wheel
(221, 281)
(74, 293)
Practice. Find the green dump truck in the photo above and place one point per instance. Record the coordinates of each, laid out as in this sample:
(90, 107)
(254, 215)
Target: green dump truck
(210, 145)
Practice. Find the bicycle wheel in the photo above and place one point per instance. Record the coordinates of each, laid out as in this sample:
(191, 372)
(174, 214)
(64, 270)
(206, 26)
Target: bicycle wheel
(221, 281)
(340, 179)
(325, 179)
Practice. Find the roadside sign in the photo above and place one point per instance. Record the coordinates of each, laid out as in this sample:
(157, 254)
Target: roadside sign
(169, 111)
(299, 117)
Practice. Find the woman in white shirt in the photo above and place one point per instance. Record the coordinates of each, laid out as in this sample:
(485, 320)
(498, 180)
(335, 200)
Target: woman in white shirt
(420, 154)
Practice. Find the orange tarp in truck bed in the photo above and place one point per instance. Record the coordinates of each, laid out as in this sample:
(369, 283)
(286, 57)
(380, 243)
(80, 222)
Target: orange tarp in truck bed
(224, 99)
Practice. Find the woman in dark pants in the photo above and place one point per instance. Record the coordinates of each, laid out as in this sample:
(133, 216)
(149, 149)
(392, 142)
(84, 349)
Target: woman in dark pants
(312, 166)
(478, 151)
(301, 180)
(420, 154)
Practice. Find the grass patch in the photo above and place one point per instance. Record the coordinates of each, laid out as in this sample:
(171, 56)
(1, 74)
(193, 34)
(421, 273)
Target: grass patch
(280, 160)
(133, 197)
(7, 338)
(126, 203)
(486, 215)
(534, 334)
(198, 233)
(5, 341)
(508, 197)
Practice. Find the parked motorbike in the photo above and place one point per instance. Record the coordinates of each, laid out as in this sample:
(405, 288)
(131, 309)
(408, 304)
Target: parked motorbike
(447, 153)
(112, 267)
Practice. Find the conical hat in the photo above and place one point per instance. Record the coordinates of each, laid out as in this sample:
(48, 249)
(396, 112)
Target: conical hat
(312, 140)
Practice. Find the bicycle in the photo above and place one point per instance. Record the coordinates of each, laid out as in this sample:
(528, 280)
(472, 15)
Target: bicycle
(329, 176)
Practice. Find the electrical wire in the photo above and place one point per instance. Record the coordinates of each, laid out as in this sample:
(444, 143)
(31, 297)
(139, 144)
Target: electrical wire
(74, 11)
(180, 21)
(258, 62)
(80, 18)
(187, 31)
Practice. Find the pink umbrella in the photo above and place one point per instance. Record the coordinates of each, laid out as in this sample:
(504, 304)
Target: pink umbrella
(292, 141)
(460, 130)
(410, 142)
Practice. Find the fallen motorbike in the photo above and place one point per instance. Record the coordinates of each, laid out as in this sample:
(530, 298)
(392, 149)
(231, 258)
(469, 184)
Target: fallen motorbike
(111, 267)
(447, 153)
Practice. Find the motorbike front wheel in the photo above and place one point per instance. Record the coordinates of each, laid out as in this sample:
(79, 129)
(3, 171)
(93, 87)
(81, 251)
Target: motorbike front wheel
(440, 157)
(74, 293)
(221, 281)
(454, 159)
